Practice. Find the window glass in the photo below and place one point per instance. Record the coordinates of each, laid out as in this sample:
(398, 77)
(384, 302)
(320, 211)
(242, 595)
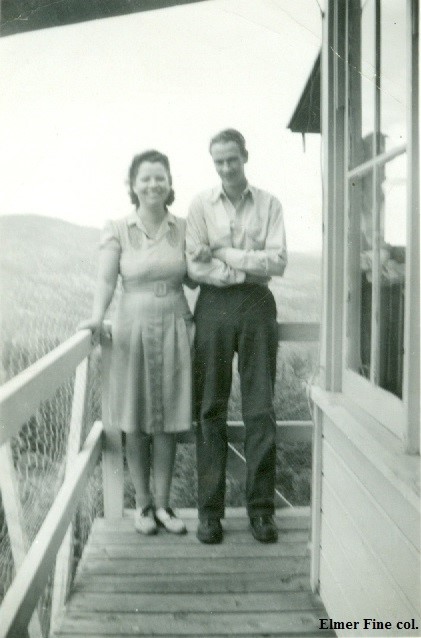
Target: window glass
(367, 75)
(368, 92)
(392, 195)
(385, 207)
(392, 72)
(362, 83)
(360, 246)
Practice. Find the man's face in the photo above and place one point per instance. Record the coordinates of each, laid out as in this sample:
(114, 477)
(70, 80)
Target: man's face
(229, 163)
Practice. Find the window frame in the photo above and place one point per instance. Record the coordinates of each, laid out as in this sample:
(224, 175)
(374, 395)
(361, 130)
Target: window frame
(400, 416)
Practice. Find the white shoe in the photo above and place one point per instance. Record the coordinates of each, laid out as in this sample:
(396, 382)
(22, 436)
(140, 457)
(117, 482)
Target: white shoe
(165, 517)
(144, 521)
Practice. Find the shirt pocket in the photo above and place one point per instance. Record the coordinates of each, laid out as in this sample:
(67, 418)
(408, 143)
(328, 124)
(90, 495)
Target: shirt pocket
(219, 227)
(254, 236)
(220, 235)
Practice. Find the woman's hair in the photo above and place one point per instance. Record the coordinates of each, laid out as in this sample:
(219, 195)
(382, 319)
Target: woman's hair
(230, 135)
(148, 156)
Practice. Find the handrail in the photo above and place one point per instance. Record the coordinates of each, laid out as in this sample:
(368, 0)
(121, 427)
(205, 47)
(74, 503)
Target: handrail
(21, 396)
(298, 331)
(64, 559)
(22, 596)
(287, 431)
(19, 400)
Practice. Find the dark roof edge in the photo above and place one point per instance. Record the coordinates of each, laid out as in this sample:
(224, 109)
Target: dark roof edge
(306, 116)
(20, 16)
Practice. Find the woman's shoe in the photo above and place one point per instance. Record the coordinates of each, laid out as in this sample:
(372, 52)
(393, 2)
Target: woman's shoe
(165, 517)
(144, 521)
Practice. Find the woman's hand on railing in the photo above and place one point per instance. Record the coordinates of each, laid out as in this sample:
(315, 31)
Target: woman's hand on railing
(96, 328)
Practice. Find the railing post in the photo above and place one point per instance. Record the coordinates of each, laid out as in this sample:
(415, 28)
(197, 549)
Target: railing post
(112, 451)
(64, 559)
(9, 485)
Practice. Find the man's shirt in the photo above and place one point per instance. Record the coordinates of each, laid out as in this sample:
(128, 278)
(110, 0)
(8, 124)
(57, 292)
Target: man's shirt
(247, 241)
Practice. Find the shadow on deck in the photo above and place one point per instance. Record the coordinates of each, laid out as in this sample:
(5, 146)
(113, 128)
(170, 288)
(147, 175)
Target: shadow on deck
(133, 585)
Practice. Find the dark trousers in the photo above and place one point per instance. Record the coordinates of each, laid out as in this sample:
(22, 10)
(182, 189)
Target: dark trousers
(239, 319)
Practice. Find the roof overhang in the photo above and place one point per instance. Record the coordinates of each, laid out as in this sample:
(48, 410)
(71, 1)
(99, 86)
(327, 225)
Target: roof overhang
(18, 16)
(306, 117)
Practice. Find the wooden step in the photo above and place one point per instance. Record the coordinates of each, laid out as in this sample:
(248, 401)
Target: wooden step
(186, 565)
(194, 602)
(168, 549)
(235, 519)
(192, 583)
(109, 538)
(299, 623)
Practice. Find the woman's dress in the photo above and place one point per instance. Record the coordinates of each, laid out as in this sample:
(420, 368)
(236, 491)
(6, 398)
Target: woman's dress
(152, 334)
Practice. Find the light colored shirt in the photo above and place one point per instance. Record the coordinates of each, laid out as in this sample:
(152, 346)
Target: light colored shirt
(145, 259)
(247, 241)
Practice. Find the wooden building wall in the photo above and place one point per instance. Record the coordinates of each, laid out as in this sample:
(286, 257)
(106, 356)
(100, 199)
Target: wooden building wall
(369, 534)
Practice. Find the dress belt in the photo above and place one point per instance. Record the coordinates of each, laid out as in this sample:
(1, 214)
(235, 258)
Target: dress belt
(158, 288)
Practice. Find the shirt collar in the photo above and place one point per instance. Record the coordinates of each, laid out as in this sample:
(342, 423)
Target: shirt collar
(219, 193)
(134, 220)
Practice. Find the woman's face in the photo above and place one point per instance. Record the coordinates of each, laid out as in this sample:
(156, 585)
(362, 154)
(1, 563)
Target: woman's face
(152, 184)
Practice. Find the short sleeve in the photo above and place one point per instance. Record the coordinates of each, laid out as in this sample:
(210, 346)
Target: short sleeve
(109, 239)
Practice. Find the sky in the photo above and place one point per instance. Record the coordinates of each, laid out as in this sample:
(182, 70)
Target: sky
(79, 101)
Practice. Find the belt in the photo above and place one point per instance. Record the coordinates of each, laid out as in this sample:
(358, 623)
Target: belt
(158, 288)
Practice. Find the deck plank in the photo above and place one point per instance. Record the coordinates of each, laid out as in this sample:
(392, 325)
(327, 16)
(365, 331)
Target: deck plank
(228, 583)
(186, 565)
(284, 522)
(193, 602)
(164, 585)
(203, 635)
(231, 537)
(300, 623)
(176, 550)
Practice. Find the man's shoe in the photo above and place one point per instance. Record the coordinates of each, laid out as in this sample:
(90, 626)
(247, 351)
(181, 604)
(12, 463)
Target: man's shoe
(264, 529)
(210, 531)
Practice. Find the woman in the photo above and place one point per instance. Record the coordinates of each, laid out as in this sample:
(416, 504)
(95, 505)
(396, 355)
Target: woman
(152, 335)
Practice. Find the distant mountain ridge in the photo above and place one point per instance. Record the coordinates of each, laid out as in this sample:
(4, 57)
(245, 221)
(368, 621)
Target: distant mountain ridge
(47, 278)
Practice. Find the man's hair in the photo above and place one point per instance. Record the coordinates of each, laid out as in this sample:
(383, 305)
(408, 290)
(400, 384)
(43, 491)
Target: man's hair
(230, 135)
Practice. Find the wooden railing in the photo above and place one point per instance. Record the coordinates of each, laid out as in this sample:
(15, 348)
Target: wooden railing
(19, 400)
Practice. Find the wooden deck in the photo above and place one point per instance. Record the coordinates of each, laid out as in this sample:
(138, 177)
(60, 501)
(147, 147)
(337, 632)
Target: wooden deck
(132, 585)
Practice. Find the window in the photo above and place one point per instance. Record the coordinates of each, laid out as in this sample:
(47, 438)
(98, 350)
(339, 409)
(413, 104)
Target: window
(376, 198)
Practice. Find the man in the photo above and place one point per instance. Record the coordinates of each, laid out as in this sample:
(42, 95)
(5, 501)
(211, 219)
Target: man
(235, 243)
